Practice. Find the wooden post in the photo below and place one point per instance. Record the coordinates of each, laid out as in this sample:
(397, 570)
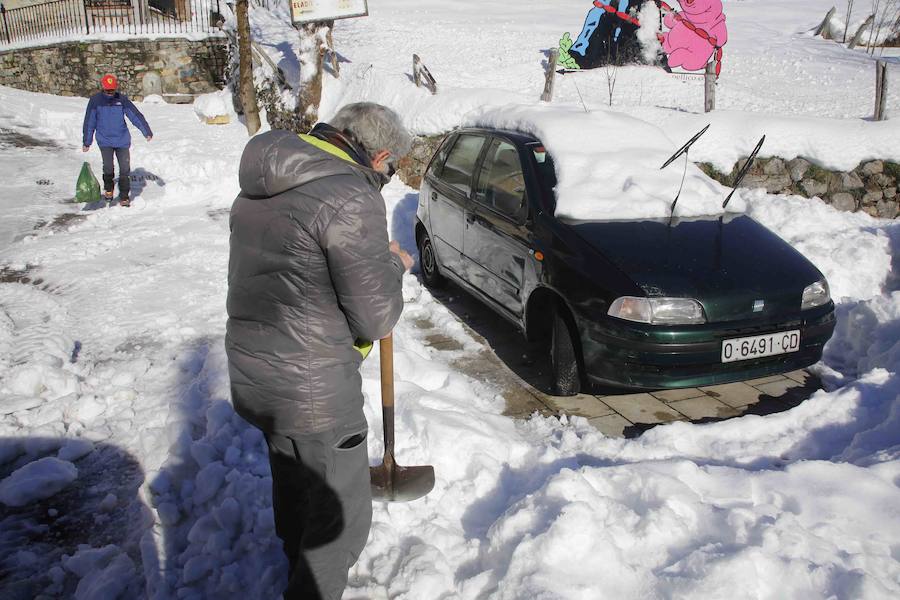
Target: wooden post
(824, 29)
(550, 75)
(880, 88)
(422, 76)
(860, 32)
(709, 87)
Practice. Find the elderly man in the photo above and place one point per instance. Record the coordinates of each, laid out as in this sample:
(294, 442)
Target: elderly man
(312, 282)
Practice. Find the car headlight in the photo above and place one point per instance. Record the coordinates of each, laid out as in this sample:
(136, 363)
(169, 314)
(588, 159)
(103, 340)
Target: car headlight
(815, 294)
(658, 311)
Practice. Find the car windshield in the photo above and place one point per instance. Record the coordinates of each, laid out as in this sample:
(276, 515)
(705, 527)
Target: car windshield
(546, 172)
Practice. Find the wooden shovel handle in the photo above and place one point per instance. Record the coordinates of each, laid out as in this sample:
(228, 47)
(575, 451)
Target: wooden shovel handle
(387, 398)
(387, 370)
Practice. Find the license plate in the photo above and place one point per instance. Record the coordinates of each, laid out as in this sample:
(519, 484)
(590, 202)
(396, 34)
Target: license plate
(757, 346)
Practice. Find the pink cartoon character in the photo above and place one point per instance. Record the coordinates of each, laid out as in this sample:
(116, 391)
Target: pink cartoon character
(695, 34)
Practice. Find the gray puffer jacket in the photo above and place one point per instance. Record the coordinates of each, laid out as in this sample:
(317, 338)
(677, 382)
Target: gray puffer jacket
(310, 271)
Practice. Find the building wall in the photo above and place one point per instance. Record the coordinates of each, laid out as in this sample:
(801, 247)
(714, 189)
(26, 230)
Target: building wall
(74, 69)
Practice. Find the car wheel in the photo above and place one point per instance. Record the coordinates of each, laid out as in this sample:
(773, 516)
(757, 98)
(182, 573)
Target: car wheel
(428, 262)
(563, 358)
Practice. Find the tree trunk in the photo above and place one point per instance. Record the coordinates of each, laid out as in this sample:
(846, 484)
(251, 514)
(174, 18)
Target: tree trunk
(245, 76)
(311, 64)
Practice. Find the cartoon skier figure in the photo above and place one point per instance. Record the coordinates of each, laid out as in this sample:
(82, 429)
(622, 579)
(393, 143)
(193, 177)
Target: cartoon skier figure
(694, 34)
(608, 35)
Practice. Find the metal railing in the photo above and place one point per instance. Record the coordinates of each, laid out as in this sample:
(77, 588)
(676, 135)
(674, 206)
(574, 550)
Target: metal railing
(64, 18)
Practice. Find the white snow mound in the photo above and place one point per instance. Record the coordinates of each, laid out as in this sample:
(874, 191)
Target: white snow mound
(608, 164)
(36, 481)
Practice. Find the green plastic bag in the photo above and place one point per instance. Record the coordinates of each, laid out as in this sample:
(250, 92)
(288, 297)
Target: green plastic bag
(88, 188)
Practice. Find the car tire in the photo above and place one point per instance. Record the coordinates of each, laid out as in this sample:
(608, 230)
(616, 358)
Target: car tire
(563, 358)
(428, 263)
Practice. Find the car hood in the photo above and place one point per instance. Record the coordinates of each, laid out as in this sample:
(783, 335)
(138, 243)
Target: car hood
(727, 263)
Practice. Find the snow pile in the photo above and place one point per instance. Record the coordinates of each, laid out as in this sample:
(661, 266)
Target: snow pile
(608, 164)
(215, 104)
(37, 480)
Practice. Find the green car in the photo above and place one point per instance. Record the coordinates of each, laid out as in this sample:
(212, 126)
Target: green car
(644, 303)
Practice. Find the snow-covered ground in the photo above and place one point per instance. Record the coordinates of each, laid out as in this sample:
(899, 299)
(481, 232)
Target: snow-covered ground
(117, 433)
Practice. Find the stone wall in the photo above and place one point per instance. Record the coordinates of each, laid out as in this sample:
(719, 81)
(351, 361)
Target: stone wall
(870, 187)
(174, 66)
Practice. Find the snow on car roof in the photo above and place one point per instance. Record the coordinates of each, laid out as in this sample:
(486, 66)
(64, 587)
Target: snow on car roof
(608, 164)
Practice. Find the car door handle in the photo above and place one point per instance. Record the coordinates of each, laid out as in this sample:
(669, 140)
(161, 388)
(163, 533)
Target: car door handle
(434, 195)
(470, 218)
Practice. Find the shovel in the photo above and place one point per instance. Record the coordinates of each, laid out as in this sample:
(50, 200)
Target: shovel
(390, 481)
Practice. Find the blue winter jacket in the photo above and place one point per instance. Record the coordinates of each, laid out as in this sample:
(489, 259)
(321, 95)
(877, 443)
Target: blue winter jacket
(106, 115)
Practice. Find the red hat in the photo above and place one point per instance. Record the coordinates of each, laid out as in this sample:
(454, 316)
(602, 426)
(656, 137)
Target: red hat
(109, 82)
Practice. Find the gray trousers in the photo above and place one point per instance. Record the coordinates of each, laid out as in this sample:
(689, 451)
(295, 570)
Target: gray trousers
(323, 506)
(123, 156)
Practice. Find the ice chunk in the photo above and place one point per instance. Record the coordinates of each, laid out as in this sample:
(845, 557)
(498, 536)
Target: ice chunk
(208, 481)
(15, 403)
(75, 449)
(36, 481)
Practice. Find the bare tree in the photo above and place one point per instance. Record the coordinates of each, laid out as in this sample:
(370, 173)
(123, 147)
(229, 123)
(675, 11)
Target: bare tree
(245, 75)
(314, 42)
(612, 69)
(847, 20)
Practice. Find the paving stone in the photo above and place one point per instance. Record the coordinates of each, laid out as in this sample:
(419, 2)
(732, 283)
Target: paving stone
(520, 403)
(676, 395)
(762, 380)
(800, 376)
(704, 407)
(735, 395)
(582, 405)
(778, 388)
(642, 408)
(611, 425)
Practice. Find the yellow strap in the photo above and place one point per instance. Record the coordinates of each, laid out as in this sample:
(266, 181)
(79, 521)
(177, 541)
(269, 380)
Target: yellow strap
(363, 348)
(326, 146)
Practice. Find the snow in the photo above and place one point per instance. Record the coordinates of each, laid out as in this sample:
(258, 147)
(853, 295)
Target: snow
(608, 164)
(798, 504)
(36, 481)
(214, 104)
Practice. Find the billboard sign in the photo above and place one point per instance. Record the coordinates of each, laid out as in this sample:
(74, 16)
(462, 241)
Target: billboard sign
(307, 11)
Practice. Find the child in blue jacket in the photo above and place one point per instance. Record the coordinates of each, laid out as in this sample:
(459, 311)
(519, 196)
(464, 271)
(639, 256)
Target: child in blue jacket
(106, 112)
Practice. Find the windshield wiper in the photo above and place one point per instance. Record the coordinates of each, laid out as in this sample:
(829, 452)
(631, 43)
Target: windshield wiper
(683, 150)
(744, 169)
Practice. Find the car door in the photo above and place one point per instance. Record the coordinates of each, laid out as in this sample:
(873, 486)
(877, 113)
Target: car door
(451, 189)
(495, 244)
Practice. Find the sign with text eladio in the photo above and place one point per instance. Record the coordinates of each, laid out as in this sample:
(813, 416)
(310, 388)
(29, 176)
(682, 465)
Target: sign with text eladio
(306, 11)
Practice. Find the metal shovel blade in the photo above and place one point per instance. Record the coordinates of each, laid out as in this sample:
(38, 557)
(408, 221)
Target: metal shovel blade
(400, 484)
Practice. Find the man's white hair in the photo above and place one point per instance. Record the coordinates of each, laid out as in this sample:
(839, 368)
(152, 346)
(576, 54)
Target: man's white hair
(374, 127)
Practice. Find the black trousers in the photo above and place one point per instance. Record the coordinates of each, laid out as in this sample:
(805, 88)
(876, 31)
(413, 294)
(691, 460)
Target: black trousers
(123, 156)
(323, 506)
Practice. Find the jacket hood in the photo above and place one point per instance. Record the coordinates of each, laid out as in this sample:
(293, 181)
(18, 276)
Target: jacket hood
(276, 161)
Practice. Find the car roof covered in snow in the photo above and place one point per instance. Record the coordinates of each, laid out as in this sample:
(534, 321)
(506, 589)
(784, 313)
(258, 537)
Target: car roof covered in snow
(608, 163)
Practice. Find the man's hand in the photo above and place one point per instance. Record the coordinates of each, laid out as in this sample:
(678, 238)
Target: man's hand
(403, 254)
(85, 148)
(149, 137)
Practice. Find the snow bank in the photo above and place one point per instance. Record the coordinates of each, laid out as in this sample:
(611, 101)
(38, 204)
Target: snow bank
(608, 164)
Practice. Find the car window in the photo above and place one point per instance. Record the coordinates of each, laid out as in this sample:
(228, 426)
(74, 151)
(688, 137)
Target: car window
(461, 162)
(437, 162)
(501, 182)
(546, 172)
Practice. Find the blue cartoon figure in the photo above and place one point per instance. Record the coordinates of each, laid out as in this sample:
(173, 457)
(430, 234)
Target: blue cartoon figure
(608, 36)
